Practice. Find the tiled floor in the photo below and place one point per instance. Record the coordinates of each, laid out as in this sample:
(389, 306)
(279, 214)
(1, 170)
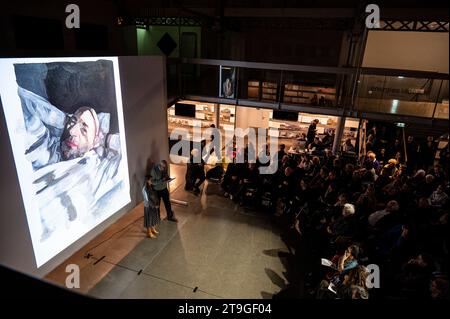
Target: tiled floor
(215, 247)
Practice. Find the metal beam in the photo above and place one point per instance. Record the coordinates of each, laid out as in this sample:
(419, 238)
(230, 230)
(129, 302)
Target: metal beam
(167, 21)
(318, 69)
(334, 24)
(414, 25)
(406, 73)
(290, 12)
(240, 12)
(414, 13)
(403, 118)
(312, 110)
(209, 99)
(391, 13)
(260, 104)
(271, 66)
(266, 105)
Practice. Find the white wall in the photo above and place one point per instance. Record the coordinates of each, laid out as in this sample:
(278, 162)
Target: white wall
(423, 51)
(252, 117)
(145, 116)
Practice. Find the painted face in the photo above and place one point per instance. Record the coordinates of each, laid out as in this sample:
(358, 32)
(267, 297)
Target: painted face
(80, 134)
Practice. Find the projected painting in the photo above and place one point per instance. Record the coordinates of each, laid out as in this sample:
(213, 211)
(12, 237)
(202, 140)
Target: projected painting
(65, 123)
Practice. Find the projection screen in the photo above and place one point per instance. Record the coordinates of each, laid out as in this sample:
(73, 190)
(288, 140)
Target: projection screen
(65, 124)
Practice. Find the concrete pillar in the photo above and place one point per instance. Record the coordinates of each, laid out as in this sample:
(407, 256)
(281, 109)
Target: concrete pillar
(339, 132)
(217, 115)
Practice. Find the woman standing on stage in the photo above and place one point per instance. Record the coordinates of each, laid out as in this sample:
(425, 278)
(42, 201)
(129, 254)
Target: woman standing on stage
(151, 209)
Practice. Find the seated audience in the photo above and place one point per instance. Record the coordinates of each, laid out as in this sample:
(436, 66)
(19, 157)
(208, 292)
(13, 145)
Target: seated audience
(380, 211)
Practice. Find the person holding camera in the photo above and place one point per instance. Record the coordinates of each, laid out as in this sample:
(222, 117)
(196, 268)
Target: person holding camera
(159, 179)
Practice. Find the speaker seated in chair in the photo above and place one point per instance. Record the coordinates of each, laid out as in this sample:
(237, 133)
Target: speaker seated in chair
(195, 173)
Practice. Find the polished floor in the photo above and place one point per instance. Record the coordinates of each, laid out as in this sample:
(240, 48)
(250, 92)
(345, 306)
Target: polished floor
(216, 250)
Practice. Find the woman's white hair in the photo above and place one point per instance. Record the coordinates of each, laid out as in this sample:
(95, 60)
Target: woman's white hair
(349, 209)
